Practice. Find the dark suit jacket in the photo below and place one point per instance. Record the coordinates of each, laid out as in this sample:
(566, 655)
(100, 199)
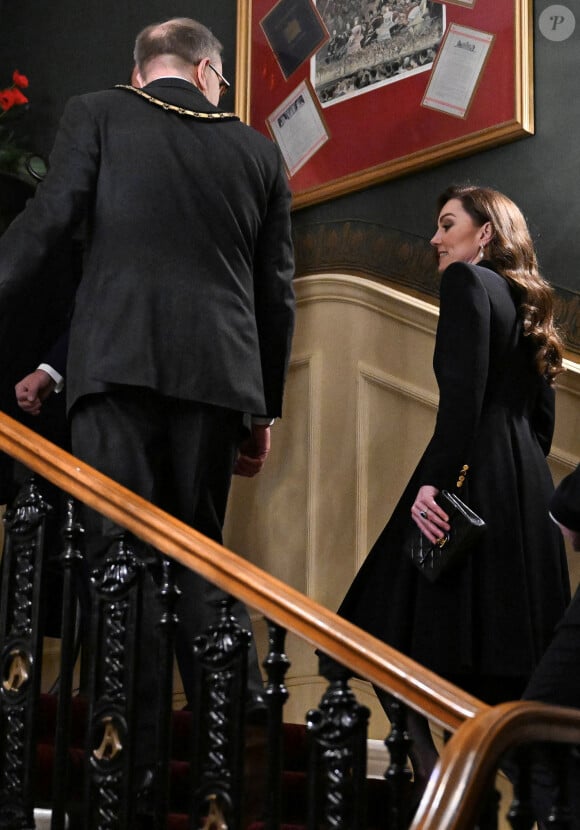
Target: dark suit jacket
(187, 274)
(565, 504)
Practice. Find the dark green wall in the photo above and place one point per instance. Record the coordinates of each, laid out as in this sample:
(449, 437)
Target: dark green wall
(66, 47)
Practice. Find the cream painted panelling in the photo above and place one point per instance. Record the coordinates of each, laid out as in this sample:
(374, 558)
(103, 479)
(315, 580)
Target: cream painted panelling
(272, 518)
(565, 452)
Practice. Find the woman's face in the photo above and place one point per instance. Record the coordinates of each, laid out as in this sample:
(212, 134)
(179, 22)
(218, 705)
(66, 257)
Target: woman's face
(458, 239)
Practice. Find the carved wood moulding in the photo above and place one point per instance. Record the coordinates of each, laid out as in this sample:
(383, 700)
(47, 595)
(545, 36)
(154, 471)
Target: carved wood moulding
(399, 259)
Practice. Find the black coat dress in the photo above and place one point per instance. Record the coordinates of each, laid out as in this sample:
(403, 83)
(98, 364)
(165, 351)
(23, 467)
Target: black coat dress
(493, 615)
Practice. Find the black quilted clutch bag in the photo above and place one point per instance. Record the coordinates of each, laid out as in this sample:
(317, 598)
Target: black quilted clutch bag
(466, 527)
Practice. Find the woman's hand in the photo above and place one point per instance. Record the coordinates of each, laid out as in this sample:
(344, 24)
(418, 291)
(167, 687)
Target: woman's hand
(428, 516)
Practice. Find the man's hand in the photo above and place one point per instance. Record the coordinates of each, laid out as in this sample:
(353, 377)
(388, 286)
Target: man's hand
(32, 390)
(572, 535)
(253, 452)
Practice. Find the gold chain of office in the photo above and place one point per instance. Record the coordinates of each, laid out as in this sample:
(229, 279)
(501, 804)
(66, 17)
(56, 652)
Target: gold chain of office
(208, 116)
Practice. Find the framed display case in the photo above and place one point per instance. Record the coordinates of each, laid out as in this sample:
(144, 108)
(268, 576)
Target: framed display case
(359, 91)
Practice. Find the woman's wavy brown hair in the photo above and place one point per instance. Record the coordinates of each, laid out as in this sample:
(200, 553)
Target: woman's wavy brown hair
(511, 251)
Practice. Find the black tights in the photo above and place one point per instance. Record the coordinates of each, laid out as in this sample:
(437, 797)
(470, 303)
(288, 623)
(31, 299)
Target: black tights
(423, 753)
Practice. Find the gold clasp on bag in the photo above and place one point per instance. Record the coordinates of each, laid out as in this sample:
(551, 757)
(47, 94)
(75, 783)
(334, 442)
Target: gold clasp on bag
(442, 541)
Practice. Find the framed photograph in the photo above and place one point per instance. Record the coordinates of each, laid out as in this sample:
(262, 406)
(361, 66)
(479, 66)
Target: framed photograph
(398, 85)
(297, 126)
(295, 31)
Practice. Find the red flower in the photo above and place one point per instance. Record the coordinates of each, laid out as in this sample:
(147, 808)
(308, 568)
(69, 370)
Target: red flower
(18, 97)
(6, 99)
(12, 96)
(12, 153)
(19, 80)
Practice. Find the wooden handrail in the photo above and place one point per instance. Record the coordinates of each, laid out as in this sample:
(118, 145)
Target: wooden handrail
(365, 655)
(469, 760)
(482, 734)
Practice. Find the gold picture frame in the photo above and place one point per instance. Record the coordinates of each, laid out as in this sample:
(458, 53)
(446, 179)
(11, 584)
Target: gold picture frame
(502, 109)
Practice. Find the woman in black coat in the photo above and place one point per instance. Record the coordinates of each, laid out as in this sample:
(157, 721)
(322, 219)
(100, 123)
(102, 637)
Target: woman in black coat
(484, 624)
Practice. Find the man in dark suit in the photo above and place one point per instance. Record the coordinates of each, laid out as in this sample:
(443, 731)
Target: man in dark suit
(556, 679)
(181, 333)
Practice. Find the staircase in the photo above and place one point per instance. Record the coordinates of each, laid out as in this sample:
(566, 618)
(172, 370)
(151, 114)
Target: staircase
(294, 775)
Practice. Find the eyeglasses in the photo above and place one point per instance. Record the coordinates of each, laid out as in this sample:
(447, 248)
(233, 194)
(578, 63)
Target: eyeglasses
(224, 85)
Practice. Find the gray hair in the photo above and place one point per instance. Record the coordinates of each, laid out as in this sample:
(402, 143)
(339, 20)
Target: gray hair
(183, 38)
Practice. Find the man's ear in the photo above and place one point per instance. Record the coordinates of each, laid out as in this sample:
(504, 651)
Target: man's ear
(200, 75)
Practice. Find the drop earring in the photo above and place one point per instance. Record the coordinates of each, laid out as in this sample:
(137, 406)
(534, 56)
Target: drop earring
(481, 254)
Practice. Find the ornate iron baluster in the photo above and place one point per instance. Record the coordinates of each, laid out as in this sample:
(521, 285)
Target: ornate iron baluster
(337, 759)
(71, 560)
(398, 774)
(520, 814)
(21, 639)
(560, 815)
(168, 596)
(541, 775)
(218, 721)
(488, 818)
(115, 623)
(276, 665)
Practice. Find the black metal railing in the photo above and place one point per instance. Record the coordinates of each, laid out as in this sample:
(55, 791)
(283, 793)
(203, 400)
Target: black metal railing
(93, 778)
(108, 797)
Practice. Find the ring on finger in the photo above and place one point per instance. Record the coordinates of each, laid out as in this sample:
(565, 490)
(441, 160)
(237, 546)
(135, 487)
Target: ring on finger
(423, 514)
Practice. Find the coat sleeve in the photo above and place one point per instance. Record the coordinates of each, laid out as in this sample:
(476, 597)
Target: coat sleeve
(31, 244)
(56, 356)
(58, 205)
(544, 416)
(274, 292)
(461, 363)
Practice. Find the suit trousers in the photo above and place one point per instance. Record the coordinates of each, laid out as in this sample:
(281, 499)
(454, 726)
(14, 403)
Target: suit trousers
(179, 455)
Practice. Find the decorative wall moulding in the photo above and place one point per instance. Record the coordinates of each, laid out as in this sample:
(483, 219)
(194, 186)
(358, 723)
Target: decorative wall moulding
(398, 259)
